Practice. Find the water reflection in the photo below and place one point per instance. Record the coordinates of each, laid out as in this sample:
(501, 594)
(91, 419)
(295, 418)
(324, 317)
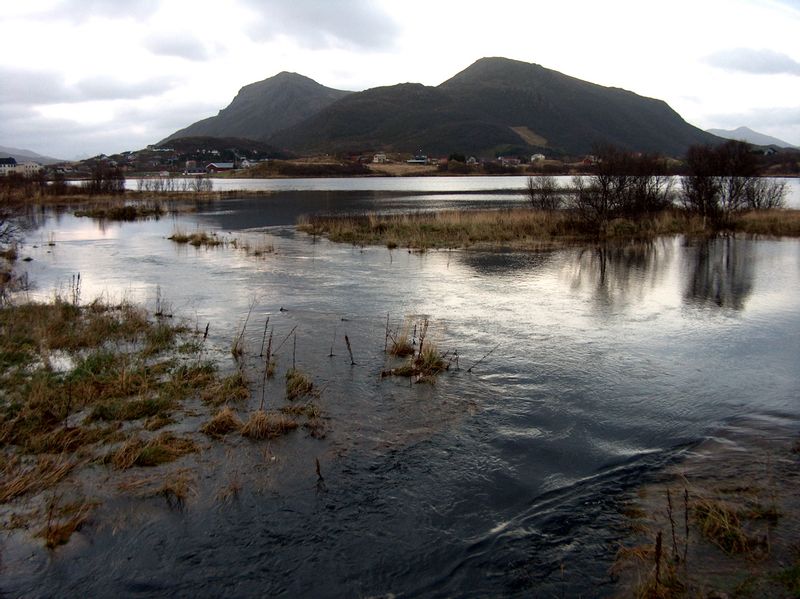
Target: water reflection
(504, 262)
(720, 272)
(618, 274)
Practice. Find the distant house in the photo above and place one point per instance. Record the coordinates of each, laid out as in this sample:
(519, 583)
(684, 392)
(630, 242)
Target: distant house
(26, 169)
(508, 161)
(7, 165)
(472, 161)
(418, 159)
(380, 158)
(537, 158)
(218, 167)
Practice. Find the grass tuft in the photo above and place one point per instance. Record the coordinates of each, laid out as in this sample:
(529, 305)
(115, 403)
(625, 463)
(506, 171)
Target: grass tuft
(225, 421)
(298, 384)
(263, 425)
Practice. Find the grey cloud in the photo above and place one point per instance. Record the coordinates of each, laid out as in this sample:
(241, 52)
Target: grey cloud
(48, 87)
(324, 24)
(105, 88)
(31, 87)
(180, 45)
(25, 128)
(759, 62)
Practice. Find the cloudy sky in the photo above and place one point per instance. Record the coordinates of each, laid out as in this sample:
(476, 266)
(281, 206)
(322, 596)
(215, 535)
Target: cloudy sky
(80, 77)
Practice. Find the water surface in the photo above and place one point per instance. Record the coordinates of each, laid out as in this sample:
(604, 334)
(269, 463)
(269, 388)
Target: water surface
(604, 364)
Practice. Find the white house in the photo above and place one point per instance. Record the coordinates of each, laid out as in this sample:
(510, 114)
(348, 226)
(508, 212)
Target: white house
(380, 158)
(537, 158)
(26, 169)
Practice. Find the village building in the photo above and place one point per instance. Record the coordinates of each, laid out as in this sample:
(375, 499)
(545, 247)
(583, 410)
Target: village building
(218, 167)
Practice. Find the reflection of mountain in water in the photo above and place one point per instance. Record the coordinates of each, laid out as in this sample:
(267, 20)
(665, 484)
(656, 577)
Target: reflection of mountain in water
(720, 271)
(616, 273)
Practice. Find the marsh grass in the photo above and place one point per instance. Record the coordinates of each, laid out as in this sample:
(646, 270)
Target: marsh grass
(267, 425)
(524, 228)
(232, 388)
(197, 239)
(63, 521)
(177, 488)
(223, 422)
(425, 360)
(23, 477)
(298, 384)
(122, 212)
(166, 447)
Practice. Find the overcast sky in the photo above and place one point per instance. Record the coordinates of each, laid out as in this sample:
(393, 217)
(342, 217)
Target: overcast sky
(81, 77)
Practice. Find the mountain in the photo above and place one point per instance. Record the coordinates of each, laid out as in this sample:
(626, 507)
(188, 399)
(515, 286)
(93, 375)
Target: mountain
(25, 155)
(261, 108)
(751, 137)
(495, 106)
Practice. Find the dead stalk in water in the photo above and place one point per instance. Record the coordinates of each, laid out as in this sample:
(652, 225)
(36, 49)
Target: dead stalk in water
(349, 350)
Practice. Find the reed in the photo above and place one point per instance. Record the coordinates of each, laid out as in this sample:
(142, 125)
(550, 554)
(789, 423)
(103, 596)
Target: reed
(223, 422)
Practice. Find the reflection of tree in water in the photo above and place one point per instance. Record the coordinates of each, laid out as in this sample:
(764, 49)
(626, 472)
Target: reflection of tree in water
(504, 263)
(614, 273)
(720, 271)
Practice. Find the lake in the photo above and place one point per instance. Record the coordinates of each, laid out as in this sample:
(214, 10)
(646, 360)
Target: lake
(505, 185)
(591, 369)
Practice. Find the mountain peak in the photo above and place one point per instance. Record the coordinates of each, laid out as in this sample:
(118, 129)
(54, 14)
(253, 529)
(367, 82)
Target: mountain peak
(746, 134)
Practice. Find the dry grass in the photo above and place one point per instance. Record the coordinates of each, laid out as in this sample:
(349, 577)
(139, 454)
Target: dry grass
(23, 478)
(122, 212)
(298, 384)
(177, 488)
(524, 228)
(63, 521)
(263, 425)
(166, 447)
(225, 421)
(231, 388)
(197, 238)
(720, 523)
(777, 223)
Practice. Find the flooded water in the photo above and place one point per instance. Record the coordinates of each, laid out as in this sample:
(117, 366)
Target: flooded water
(600, 365)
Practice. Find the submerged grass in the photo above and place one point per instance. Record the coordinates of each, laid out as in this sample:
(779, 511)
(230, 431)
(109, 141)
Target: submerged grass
(224, 421)
(166, 447)
(266, 425)
(197, 238)
(298, 384)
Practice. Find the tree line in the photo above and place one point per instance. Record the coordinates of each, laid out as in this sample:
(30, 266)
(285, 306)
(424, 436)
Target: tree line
(718, 182)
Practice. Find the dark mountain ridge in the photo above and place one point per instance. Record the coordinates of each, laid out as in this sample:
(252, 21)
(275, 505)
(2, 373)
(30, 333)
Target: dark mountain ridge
(493, 107)
(261, 108)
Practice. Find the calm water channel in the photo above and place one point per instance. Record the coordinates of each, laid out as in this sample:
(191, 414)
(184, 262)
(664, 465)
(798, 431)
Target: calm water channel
(607, 364)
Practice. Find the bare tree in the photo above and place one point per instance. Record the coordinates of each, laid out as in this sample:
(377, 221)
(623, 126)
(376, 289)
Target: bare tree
(544, 193)
(724, 180)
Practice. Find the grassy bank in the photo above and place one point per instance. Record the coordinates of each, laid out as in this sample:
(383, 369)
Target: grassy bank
(100, 388)
(524, 228)
(722, 523)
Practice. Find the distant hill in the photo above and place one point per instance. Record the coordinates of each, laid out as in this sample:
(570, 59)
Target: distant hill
(25, 155)
(496, 106)
(261, 108)
(751, 137)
